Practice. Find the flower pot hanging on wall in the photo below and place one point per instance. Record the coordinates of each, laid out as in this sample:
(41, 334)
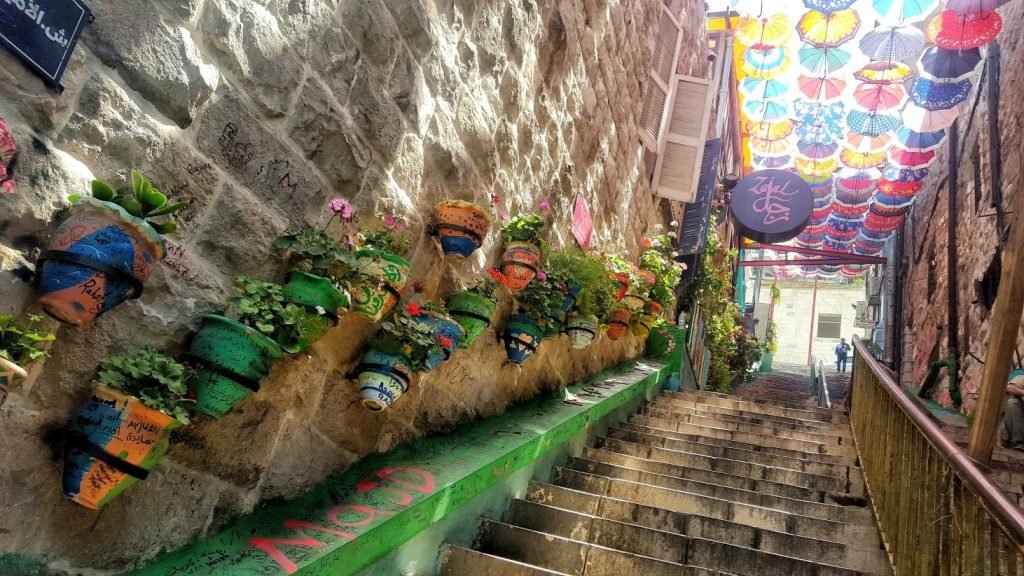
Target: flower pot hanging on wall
(447, 331)
(581, 331)
(99, 257)
(619, 323)
(383, 277)
(461, 227)
(382, 378)
(115, 441)
(318, 296)
(522, 337)
(473, 312)
(519, 264)
(9, 373)
(231, 359)
(660, 342)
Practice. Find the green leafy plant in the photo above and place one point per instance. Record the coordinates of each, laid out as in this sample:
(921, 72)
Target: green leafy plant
(588, 271)
(23, 342)
(403, 335)
(261, 306)
(140, 199)
(316, 252)
(771, 341)
(525, 227)
(485, 287)
(658, 259)
(710, 292)
(151, 376)
(386, 241)
(541, 300)
(776, 293)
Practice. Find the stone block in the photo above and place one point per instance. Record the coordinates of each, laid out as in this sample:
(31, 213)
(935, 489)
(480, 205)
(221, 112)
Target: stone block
(225, 242)
(408, 89)
(302, 458)
(336, 59)
(375, 112)
(374, 32)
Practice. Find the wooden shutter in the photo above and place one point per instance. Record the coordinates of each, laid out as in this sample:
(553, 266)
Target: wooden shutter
(681, 148)
(667, 44)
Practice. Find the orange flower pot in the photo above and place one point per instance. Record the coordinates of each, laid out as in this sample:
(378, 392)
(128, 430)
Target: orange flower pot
(619, 324)
(519, 264)
(461, 227)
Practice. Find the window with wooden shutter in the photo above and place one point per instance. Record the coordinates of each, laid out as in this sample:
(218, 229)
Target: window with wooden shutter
(667, 44)
(681, 147)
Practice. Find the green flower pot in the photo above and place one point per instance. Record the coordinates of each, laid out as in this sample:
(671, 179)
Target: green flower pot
(660, 342)
(473, 312)
(231, 360)
(319, 297)
(389, 272)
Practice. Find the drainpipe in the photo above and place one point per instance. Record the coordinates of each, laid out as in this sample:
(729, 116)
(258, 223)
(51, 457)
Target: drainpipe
(995, 143)
(810, 337)
(725, 82)
(952, 263)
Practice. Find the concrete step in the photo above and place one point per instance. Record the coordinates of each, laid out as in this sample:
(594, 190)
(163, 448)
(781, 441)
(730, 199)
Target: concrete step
(458, 561)
(851, 483)
(668, 546)
(865, 556)
(762, 407)
(847, 450)
(831, 437)
(685, 502)
(798, 464)
(730, 415)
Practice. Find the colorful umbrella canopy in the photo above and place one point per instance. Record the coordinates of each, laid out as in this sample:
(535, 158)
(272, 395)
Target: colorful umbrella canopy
(872, 124)
(920, 141)
(855, 179)
(969, 6)
(883, 73)
(814, 167)
(818, 122)
(824, 30)
(853, 197)
(770, 130)
(820, 89)
(879, 97)
(902, 11)
(892, 43)
(817, 150)
(957, 31)
(892, 188)
(932, 95)
(859, 187)
(760, 89)
(862, 143)
(829, 6)
(816, 179)
(823, 61)
(766, 63)
(923, 120)
(943, 65)
(763, 32)
(774, 148)
(766, 110)
(862, 160)
(766, 162)
(907, 159)
(898, 174)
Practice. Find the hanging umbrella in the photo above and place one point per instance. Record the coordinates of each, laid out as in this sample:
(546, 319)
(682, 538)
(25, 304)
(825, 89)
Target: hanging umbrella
(850, 211)
(862, 160)
(820, 89)
(895, 188)
(774, 148)
(939, 95)
(897, 174)
(883, 72)
(879, 97)
(822, 125)
(823, 61)
(816, 179)
(862, 143)
(886, 207)
(853, 197)
(770, 130)
(766, 63)
(761, 89)
(892, 43)
(817, 150)
(872, 124)
(857, 179)
(766, 162)
(823, 194)
(766, 110)
(943, 65)
(824, 30)
(829, 6)
(859, 187)
(907, 159)
(957, 31)
(763, 32)
(866, 246)
(814, 167)
(971, 6)
(923, 120)
(920, 141)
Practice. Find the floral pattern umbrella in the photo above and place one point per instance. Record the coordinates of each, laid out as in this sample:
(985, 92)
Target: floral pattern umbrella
(820, 89)
(872, 124)
(923, 120)
(824, 30)
(892, 43)
(761, 89)
(941, 65)
(957, 31)
(829, 6)
(883, 73)
(932, 95)
(823, 61)
(764, 32)
(818, 122)
(920, 141)
(879, 97)
(764, 64)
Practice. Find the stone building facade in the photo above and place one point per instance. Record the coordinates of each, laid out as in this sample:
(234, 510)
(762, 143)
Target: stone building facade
(258, 112)
(980, 228)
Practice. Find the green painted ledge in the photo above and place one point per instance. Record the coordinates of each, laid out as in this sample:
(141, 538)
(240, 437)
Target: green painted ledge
(351, 520)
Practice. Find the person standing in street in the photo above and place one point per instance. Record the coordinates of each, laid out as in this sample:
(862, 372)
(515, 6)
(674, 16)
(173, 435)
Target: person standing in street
(842, 351)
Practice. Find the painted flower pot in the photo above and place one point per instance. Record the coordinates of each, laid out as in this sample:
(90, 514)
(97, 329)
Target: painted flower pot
(376, 297)
(641, 325)
(619, 324)
(660, 342)
(231, 360)
(522, 337)
(581, 331)
(382, 379)
(99, 257)
(519, 264)
(320, 298)
(115, 441)
(571, 294)
(442, 325)
(461, 227)
(633, 302)
(9, 374)
(473, 312)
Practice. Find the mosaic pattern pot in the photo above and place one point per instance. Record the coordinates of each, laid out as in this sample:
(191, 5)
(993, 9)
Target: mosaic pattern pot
(389, 273)
(473, 312)
(619, 324)
(519, 264)
(315, 294)
(441, 325)
(522, 337)
(9, 374)
(461, 227)
(230, 361)
(115, 441)
(382, 378)
(581, 331)
(99, 257)
(571, 294)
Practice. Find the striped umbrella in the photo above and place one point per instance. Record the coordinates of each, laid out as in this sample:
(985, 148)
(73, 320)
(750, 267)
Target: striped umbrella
(764, 63)
(957, 31)
(932, 95)
(892, 43)
(923, 120)
(943, 65)
(920, 141)
(864, 143)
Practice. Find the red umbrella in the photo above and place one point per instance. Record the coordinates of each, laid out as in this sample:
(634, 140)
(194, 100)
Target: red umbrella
(820, 89)
(892, 188)
(879, 97)
(907, 159)
(956, 31)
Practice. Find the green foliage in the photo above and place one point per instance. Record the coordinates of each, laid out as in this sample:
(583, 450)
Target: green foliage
(541, 301)
(524, 227)
(776, 293)
(588, 271)
(386, 241)
(261, 306)
(484, 287)
(659, 259)
(403, 335)
(23, 342)
(315, 251)
(151, 376)
(771, 342)
(140, 199)
(710, 290)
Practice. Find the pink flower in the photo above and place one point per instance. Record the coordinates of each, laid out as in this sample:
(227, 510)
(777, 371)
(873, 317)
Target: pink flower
(542, 276)
(544, 206)
(495, 199)
(392, 224)
(7, 187)
(341, 207)
(504, 215)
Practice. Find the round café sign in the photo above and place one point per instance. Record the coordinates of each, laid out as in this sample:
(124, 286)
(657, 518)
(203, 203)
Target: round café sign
(772, 206)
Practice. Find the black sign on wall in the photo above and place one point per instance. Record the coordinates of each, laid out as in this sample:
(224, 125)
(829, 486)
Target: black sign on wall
(772, 205)
(43, 33)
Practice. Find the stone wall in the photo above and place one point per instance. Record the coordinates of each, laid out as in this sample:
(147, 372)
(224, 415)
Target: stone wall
(925, 270)
(258, 113)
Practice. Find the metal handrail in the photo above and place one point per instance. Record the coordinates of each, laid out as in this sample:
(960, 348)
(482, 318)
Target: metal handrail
(932, 502)
(819, 386)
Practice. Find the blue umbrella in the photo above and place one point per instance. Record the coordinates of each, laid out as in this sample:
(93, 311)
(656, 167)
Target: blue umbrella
(759, 88)
(943, 65)
(903, 11)
(822, 61)
(897, 174)
(920, 141)
(766, 110)
(820, 123)
(817, 150)
(933, 96)
(892, 43)
(872, 124)
(829, 6)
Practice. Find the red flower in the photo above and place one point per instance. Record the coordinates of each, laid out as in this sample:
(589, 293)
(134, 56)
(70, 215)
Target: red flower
(645, 243)
(498, 276)
(412, 309)
(444, 341)
(564, 288)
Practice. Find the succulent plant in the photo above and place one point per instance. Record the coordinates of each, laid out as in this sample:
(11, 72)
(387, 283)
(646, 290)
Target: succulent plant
(140, 199)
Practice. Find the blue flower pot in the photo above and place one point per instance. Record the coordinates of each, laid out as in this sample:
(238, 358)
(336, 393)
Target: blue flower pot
(522, 337)
(570, 297)
(441, 325)
(382, 378)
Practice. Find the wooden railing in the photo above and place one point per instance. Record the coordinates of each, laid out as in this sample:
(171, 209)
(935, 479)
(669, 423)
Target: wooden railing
(938, 513)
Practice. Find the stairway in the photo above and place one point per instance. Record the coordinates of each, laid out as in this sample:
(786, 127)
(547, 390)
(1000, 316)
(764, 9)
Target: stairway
(696, 484)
